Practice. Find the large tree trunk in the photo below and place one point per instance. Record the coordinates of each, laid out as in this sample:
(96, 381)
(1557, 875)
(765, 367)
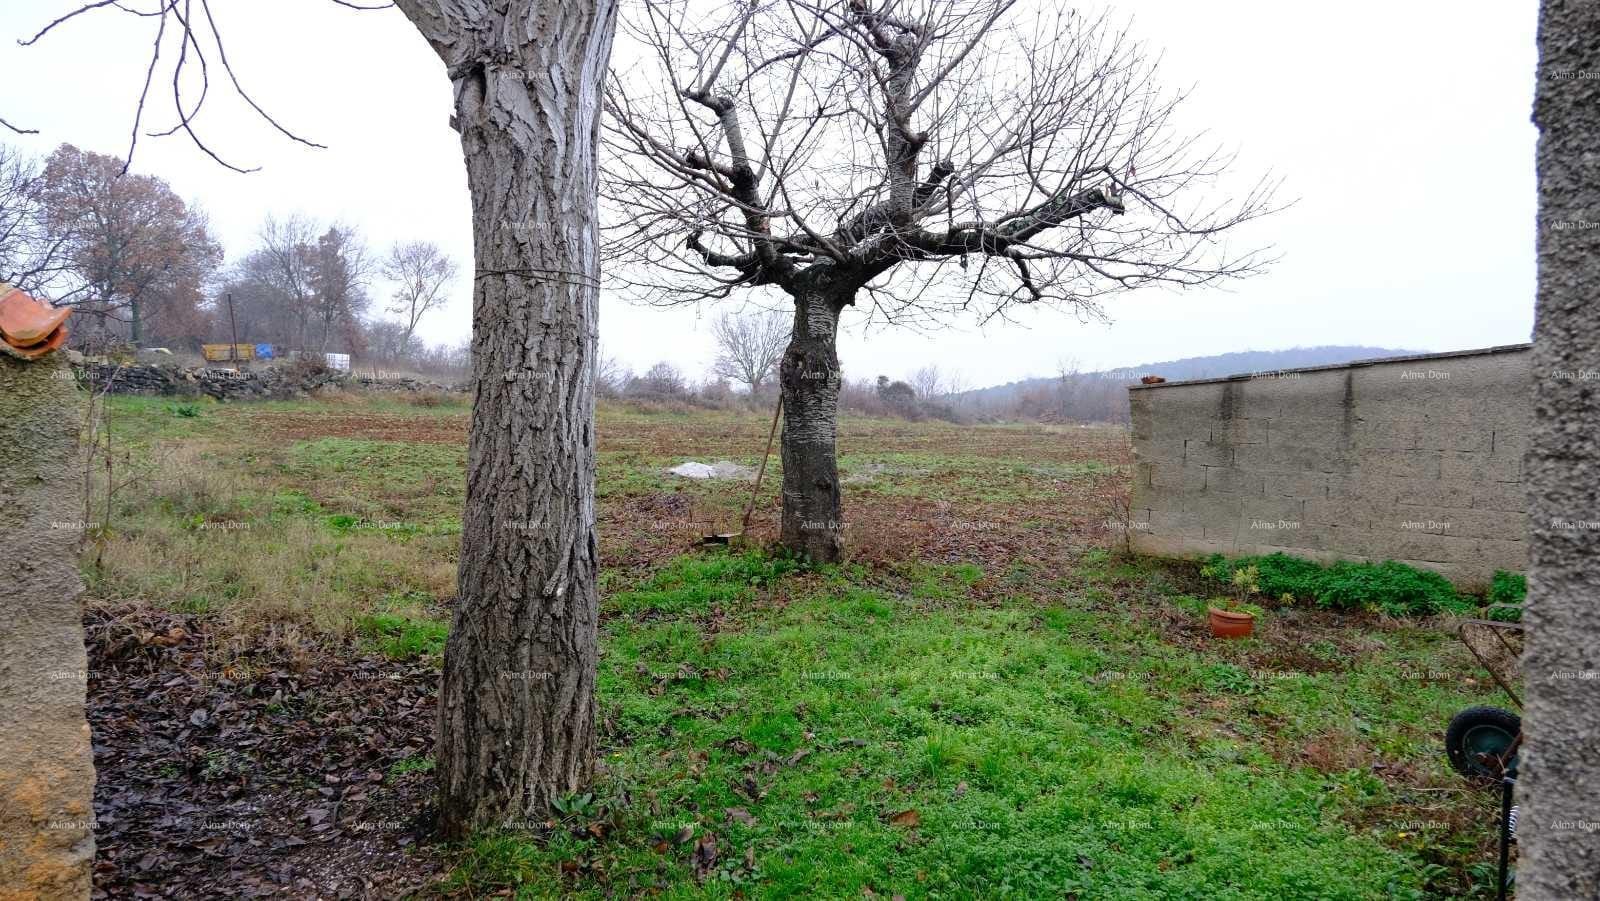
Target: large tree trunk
(516, 708)
(1560, 783)
(809, 379)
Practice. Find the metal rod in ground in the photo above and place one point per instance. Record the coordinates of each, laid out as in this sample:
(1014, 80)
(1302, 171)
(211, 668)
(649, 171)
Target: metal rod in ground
(744, 526)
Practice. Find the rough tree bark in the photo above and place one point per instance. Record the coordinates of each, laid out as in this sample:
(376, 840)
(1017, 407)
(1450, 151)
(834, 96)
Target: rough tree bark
(809, 378)
(1560, 785)
(516, 707)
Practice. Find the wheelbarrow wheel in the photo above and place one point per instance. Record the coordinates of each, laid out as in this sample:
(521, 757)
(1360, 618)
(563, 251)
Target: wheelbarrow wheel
(1479, 731)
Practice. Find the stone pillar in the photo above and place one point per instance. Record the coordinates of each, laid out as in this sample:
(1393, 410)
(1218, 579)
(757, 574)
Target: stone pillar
(46, 769)
(1560, 785)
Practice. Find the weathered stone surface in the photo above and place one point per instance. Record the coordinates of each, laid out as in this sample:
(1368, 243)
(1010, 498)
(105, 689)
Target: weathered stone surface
(1560, 784)
(1412, 459)
(46, 771)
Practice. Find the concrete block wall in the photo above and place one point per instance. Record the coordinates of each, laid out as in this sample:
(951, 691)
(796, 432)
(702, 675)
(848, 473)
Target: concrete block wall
(1416, 459)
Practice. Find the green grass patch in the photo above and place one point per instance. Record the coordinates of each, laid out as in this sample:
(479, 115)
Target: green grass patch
(850, 739)
(403, 637)
(695, 584)
(419, 763)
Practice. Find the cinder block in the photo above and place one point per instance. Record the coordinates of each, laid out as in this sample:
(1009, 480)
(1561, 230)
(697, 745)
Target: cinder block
(1221, 529)
(1173, 522)
(1437, 493)
(1300, 540)
(1481, 466)
(1171, 499)
(1511, 443)
(1176, 476)
(1458, 522)
(1289, 430)
(1343, 511)
(1401, 464)
(1395, 544)
(1476, 437)
(1169, 546)
(1501, 553)
(1510, 496)
(1207, 453)
(1295, 484)
(1344, 485)
(1275, 457)
(1239, 431)
(1224, 480)
(1388, 434)
(1166, 450)
(1274, 510)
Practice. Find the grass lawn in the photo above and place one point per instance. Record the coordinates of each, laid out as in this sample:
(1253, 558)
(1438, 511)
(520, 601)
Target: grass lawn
(988, 702)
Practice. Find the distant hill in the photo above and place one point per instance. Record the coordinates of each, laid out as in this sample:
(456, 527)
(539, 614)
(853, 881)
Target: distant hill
(1094, 395)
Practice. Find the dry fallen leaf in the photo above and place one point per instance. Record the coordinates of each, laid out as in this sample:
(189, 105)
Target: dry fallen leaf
(705, 856)
(908, 818)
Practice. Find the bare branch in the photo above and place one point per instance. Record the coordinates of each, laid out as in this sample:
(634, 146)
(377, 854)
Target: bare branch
(193, 49)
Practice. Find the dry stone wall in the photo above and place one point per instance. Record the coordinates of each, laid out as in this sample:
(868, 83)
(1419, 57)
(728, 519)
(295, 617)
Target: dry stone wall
(268, 383)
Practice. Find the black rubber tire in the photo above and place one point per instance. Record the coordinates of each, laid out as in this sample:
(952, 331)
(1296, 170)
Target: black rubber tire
(1469, 728)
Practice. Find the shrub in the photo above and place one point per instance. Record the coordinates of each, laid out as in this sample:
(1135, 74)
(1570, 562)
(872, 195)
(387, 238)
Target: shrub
(1389, 587)
(1506, 592)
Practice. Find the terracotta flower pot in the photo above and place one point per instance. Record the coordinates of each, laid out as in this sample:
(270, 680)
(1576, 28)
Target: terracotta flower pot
(1231, 623)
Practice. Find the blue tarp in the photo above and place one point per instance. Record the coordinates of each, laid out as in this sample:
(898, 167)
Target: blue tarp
(263, 351)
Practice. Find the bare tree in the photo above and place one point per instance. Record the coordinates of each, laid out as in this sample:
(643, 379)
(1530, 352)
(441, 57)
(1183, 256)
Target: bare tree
(929, 383)
(516, 705)
(662, 380)
(611, 377)
(924, 158)
(749, 347)
(30, 250)
(1069, 385)
(288, 266)
(424, 274)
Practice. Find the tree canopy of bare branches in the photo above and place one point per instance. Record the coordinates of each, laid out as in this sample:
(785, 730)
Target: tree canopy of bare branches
(749, 347)
(423, 274)
(30, 249)
(931, 157)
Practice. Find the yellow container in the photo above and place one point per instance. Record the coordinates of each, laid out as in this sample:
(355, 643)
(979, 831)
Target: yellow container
(218, 353)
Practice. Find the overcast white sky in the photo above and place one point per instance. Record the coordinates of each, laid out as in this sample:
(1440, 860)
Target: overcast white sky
(1401, 128)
